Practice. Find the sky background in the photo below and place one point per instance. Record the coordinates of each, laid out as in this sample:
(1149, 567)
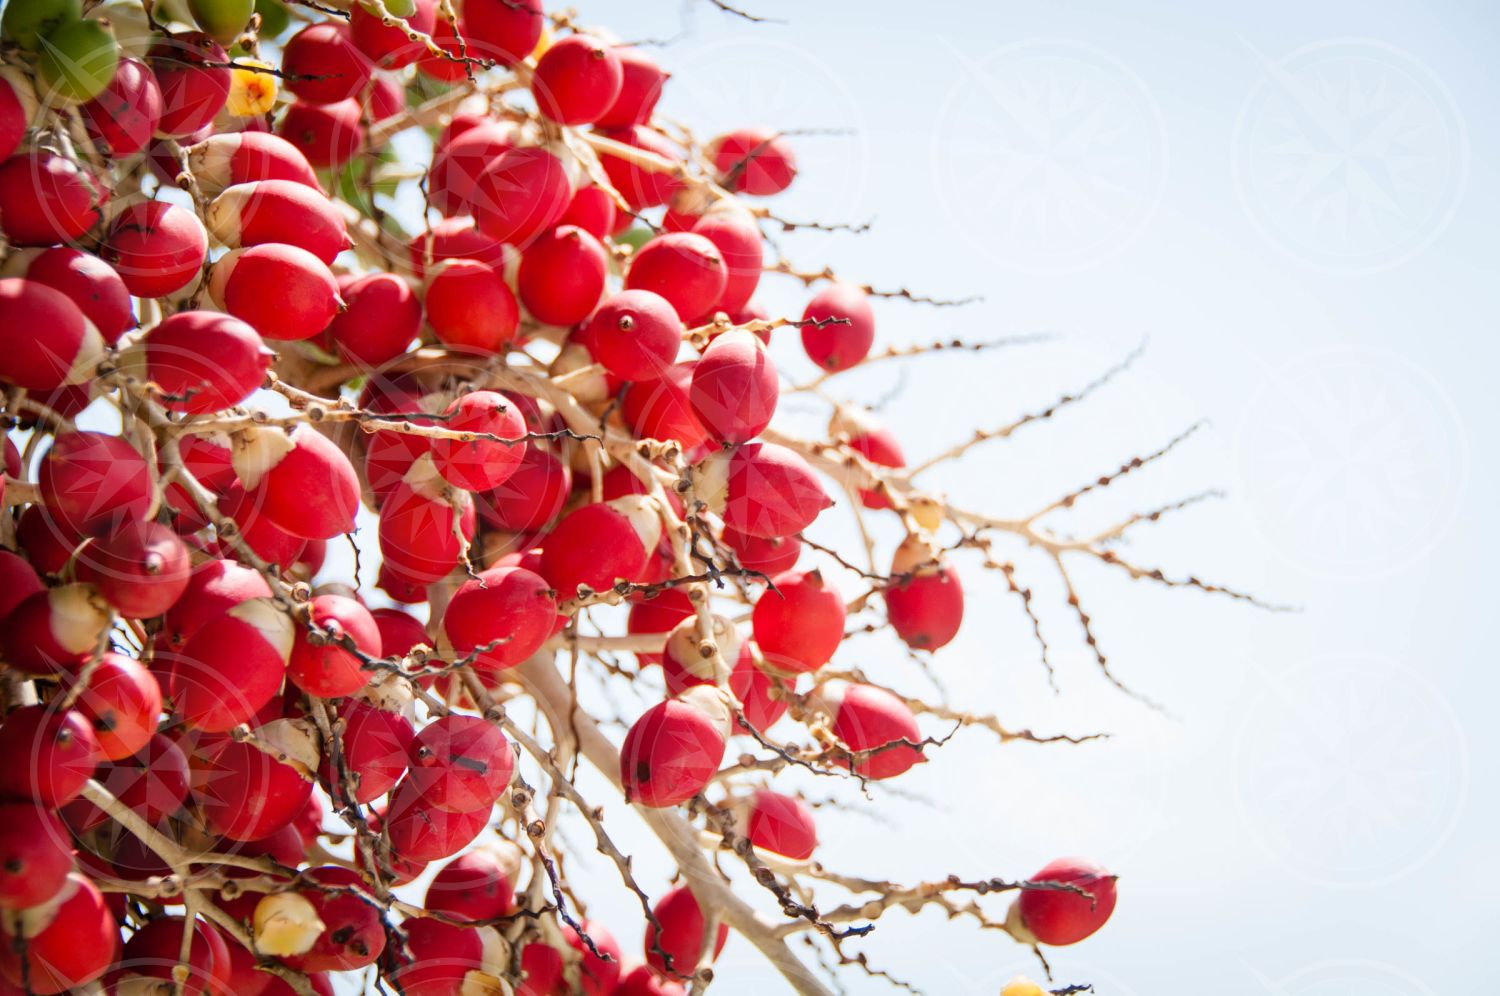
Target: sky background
(1294, 204)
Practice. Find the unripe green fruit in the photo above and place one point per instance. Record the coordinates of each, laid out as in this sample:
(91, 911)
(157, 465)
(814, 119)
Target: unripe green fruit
(223, 19)
(273, 17)
(77, 61)
(401, 8)
(26, 21)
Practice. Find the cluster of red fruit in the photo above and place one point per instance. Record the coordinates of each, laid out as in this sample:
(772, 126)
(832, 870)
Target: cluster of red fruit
(183, 705)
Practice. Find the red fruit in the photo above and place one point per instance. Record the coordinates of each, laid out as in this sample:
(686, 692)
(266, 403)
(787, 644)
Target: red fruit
(399, 632)
(323, 51)
(48, 546)
(327, 670)
(867, 718)
(597, 544)
(419, 831)
(388, 46)
(479, 464)
(46, 198)
(531, 497)
(1062, 917)
(63, 348)
(641, 187)
(244, 792)
(35, 855)
(641, 82)
(477, 885)
(442, 955)
(214, 587)
(380, 319)
(12, 119)
(597, 973)
(754, 161)
(636, 334)
(458, 164)
(507, 30)
(659, 409)
(681, 935)
(799, 621)
(251, 214)
(509, 607)
(577, 80)
(734, 233)
(521, 195)
(748, 680)
(541, 971)
(417, 535)
(353, 935)
(221, 161)
(871, 439)
(57, 628)
(202, 361)
(157, 248)
(244, 978)
(399, 587)
(73, 950)
(232, 666)
(460, 763)
(266, 540)
(329, 135)
(284, 292)
(301, 480)
(659, 614)
(838, 346)
(91, 481)
(685, 268)
(670, 754)
(141, 568)
(642, 981)
(191, 92)
(125, 113)
(735, 388)
(17, 581)
(470, 308)
(88, 282)
(769, 555)
(762, 489)
(375, 745)
(925, 600)
(49, 755)
(562, 276)
(781, 824)
(153, 953)
(154, 782)
(455, 238)
(122, 701)
(591, 209)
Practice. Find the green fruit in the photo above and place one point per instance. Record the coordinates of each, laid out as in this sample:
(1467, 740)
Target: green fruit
(401, 8)
(77, 61)
(26, 21)
(223, 19)
(273, 18)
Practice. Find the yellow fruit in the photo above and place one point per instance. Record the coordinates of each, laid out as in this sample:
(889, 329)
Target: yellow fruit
(543, 43)
(251, 93)
(1022, 986)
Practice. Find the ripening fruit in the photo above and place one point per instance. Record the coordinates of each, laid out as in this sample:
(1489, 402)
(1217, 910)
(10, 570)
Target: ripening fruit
(49, 755)
(925, 600)
(252, 91)
(470, 308)
(215, 587)
(125, 113)
(671, 753)
(598, 544)
(301, 480)
(87, 281)
(141, 568)
(17, 579)
(352, 936)
(641, 187)
(389, 47)
(221, 161)
(232, 666)
(866, 718)
(762, 489)
(635, 334)
(576, 80)
(755, 161)
(329, 135)
(244, 791)
(251, 214)
(123, 702)
(681, 936)
(770, 555)
(35, 855)
(64, 347)
(476, 885)
(154, 782)
(283, 292)
(92, 481)
(419, 831)
(191, 92)
(200, 361)
(27, 23)
(460, 159)
(157, 248)
(380, 319)
(507, 30)
(643, 981)
(417, 526)
(375, 745)
(72, 950)
(442, 956)
(326, 669)
(509, 607)
(454, 238)
(76, 60)
(265, 538)
(323, 50)
(641, 82)
(799, 621)
(735, 388)
(872, 439)
(591, 209)
(460, 763)
(46, 198)
(562, 276)
(685, 268)
(223, 19)
(734, 233)
(660, 409)
(479, 464)
(1059, 917)
(838, 345)
(532, 496)
(153, 952)
(781, 824)
(521, 195)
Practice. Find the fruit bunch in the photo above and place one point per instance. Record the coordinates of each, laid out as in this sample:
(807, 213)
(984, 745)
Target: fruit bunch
(531, 374)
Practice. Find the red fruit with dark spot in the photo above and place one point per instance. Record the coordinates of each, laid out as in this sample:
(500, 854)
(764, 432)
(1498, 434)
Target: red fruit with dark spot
(681, 935)
(191, 92)
(91, 284)
(123, 702)
(353, 935)
(799, 621)
(685, 268)
(577, 80)
(1058, 917)
(521, 195)
(636, 335)
(322, 65)
(375, 744)
(49, 754)
(781, 824)
(380, 319)
(735, 388)
(641, 82)
(141, 568)
(927, 607)
(46, 198)
(73, 950)
(460, 763)
(419, 831)
(670, 754)
(92, 482)
(125, 113)
(35, 855)
(470, 308)
(754, 161)
(329, 135)
(473, 886)
(202, 361)
(509, 607)
(850, 332)
(326, 669)
(531, 497)
(562, 276)
(157, 248)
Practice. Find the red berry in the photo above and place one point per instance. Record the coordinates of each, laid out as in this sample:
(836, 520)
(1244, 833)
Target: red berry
(154, 782)
(735, 388)
(232, 666)
(735, 234)
(479, 464)
(577, 80)
(35, 855)
(202, 361)
(419, 831)
(641, 81)
(442, 956)
(681, 935)
(640, 186)
(799, 621)
(380, 319)
(73, 950)
(57, 628)
(50, 754)
(769, 555)
(597, 544)
(460, 763)
(141, 568)
(321, 64)
(251, 214)
(470, 308)
(1063, 917)
(417, 534)
(244, 792)
(867, 718)
(221, 161)
(660, 409)
(46, 198)
(123, 702)
(126, 113)
(301, 480)
(329, 670)
(305, 296)
(520, 195)
(265, 538)
(871, 439)
(659, 614)
(65, 346)
(839, 344)
(670, 754)
(685, 268)
(191, 92)
(925, 600)
(591, 209)
(762, 489)
(636, 335)
(389, 47)
(214, 587)
(597, 973)
(781, 824)
(532, 496)
(509, 607)
(91, 482)
(375, 745)
(153, 952)
(562, 276)
(17, 581)
(476, 885)
(90, 283)
(157, 248)
(329, 135)
(507, 30)
(643, 981)
(459, 162)
(353, 935)
(754, 161)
